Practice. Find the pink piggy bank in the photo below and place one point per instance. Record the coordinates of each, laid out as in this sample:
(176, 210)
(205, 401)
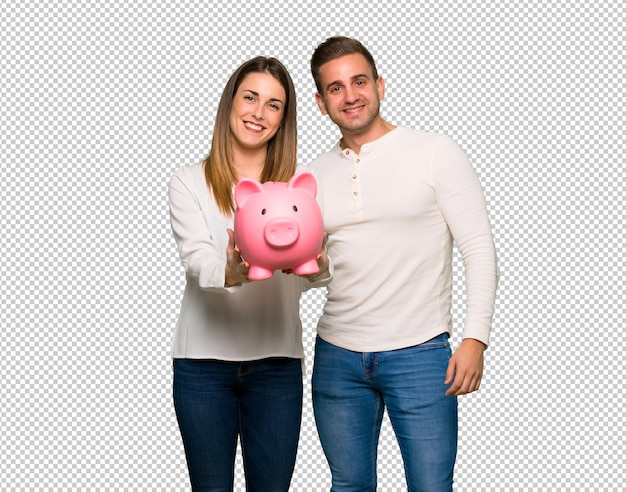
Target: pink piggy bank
(278, 226)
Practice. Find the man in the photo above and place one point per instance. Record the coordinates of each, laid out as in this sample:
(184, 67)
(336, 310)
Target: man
(394, 201)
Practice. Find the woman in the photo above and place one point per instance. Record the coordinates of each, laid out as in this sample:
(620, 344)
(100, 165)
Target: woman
(237, 345)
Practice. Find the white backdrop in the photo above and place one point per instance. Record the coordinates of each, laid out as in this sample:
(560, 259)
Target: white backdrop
(102, 101)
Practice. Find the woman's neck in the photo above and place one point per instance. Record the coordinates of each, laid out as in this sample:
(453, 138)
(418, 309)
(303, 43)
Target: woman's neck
(249, 164)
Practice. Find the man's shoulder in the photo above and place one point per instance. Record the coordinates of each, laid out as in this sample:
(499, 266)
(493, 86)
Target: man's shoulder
(424, 140)
(418, 133)
(325, 158)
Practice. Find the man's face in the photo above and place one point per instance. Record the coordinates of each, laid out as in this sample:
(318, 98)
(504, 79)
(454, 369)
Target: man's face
(350, 96)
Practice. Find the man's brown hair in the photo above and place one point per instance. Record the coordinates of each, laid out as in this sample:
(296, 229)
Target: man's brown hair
(336, 47)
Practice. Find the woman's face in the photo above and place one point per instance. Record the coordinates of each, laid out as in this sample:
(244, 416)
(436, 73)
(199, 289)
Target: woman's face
(257, 111)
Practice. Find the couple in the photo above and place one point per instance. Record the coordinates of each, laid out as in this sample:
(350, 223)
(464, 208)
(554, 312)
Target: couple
(394, 201)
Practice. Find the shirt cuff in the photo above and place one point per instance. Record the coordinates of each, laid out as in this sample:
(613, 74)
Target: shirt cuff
(477, 330)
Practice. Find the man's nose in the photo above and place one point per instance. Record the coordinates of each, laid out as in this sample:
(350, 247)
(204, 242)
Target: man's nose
(350, 94)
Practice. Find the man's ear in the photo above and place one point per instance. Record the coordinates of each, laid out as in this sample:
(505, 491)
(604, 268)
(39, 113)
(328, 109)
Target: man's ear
(380, 85)
(320, 103)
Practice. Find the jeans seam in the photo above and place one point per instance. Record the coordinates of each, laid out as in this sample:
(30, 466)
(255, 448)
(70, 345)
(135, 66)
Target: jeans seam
(375, 439)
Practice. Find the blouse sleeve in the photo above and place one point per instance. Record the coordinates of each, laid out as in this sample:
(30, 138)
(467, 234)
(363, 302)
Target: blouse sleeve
(462, 203)
(200, 255)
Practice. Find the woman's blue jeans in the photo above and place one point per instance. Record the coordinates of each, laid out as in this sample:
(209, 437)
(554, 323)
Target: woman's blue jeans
(351, 391)
(259, 401)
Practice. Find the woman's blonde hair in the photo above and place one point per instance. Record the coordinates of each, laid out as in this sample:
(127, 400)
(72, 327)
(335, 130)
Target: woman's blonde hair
(280, 163)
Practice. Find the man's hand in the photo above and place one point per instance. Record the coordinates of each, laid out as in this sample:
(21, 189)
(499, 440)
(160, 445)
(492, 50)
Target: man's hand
(236, 268)
(465, 369)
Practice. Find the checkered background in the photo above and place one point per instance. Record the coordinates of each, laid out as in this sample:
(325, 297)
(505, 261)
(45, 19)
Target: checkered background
(102, 101)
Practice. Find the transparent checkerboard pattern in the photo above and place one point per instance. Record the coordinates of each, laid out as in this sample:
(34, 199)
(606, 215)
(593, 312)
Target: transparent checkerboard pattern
(102, 101)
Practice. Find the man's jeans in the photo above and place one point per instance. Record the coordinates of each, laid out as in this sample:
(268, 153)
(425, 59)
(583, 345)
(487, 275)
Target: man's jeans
(350, 393)
(261, 401)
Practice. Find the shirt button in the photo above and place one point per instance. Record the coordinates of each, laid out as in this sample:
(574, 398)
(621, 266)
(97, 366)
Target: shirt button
(354, 176)
(355, 193)
(357, 161)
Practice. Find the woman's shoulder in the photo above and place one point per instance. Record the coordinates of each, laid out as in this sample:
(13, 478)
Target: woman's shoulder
(189, 171)
(189, 179)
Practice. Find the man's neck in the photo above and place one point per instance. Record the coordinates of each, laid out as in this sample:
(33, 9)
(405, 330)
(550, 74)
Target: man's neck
(355, 141)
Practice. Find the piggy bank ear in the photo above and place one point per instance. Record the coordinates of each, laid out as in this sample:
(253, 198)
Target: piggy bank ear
(246, 187)
(304, 181)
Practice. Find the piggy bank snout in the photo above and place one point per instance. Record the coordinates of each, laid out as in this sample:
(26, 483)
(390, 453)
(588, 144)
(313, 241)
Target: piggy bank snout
(281, 232)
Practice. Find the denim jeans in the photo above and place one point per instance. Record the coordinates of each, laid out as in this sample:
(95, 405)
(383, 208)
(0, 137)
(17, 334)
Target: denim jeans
(259, 401)
(351, 391)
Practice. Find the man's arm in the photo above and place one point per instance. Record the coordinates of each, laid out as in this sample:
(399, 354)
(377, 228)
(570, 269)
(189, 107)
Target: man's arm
(463, 205)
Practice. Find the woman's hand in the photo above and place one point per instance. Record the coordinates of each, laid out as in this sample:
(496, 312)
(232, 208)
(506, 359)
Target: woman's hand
(236, 268)
(322, 259)
(323, 263)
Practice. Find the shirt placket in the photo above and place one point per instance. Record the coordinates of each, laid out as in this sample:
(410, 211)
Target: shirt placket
(355, 179)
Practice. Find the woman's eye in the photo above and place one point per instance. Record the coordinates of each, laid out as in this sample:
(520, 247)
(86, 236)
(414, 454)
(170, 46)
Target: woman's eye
(264, 211)
(295, 209)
